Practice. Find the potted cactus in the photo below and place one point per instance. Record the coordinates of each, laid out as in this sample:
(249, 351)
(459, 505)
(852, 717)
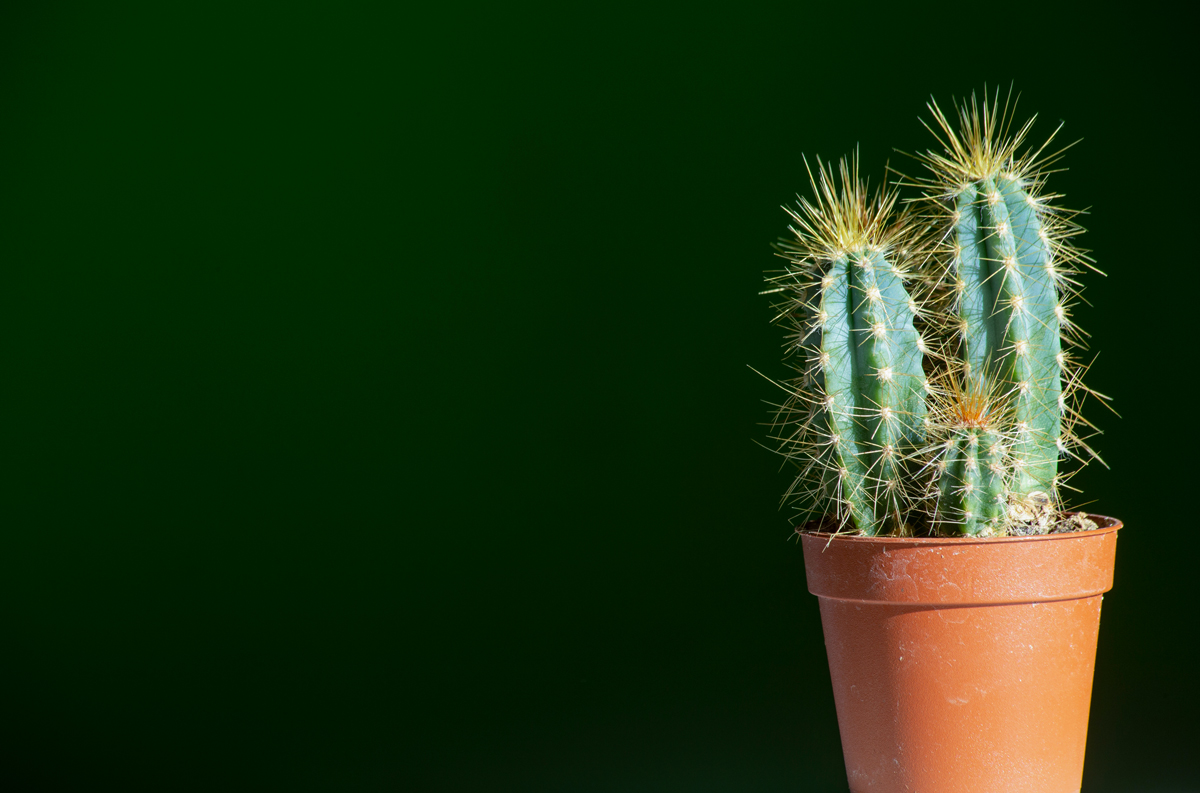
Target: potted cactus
(934, 404)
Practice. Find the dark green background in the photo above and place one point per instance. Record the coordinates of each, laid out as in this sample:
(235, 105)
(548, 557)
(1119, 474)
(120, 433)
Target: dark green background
(376, 403)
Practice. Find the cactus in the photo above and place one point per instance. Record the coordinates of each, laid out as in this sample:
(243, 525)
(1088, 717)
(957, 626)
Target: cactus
(994, 291)
(857, 408)
(1007, 272)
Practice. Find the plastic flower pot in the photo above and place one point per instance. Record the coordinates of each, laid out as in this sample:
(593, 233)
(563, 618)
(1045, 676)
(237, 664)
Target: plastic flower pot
(962, 665)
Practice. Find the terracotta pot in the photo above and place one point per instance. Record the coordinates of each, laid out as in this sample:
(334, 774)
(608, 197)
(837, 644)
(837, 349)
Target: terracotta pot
(962, 665)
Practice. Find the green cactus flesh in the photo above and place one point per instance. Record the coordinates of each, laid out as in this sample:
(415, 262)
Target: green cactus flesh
(869, 366)
(1008, 314)
(971, 496)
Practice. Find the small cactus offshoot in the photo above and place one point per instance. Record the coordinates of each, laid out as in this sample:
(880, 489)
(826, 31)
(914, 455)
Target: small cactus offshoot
(981, 269)
(969, 458)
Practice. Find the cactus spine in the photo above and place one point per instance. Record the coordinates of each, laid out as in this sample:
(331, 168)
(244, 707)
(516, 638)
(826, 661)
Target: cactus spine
(857, 409)
(1007, 275)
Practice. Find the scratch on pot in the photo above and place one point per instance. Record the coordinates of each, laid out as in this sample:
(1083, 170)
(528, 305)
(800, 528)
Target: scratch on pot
(890, 569)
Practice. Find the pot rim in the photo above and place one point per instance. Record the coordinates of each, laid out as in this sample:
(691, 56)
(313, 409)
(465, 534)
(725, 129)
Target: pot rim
(944, 572)
(1105, 524)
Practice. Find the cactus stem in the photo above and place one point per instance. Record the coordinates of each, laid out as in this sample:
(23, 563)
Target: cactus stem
(852, 322)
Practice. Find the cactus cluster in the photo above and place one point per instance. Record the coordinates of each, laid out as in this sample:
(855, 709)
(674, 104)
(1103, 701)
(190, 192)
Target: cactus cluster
(934, 389)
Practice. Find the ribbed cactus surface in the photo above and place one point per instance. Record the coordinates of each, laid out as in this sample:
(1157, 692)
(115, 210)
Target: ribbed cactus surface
(972, 497)
(1007, 311)
(870, 372)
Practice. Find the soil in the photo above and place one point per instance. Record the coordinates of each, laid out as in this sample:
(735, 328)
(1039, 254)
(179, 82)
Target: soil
(1040, 520)
(1078, 521)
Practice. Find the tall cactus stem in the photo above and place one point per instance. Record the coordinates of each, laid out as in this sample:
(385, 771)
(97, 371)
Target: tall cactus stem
(1007, 284)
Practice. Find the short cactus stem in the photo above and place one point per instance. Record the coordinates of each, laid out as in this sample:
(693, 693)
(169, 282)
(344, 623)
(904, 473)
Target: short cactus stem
(857, 410)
